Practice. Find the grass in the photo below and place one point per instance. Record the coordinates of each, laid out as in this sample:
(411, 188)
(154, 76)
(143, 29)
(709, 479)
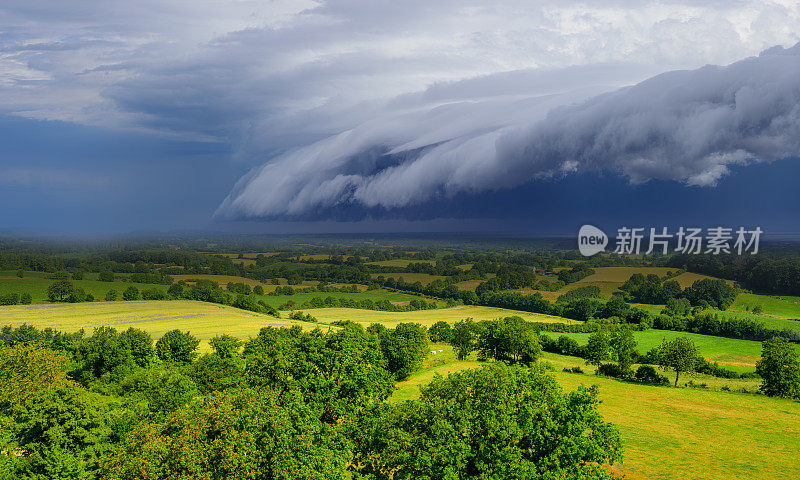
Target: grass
(374, 295)
(425, 317)
(775, 323)
(37, 287)
(771, 305)
(203, 320)
(738, 355)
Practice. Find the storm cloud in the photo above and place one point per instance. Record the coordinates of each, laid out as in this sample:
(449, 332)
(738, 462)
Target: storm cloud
(688, 126)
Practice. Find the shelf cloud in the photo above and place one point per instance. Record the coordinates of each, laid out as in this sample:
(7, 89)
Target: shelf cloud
(688, 126)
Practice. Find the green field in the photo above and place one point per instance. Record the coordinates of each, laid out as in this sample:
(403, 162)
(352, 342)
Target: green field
(426, 317)
(37, 286)
(775, 323)
(203, 320)
(771, 305)
(397, 262)
(738, 355)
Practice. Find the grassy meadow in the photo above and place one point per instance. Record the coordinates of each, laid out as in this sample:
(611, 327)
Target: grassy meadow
(37, 286)
(203, 320)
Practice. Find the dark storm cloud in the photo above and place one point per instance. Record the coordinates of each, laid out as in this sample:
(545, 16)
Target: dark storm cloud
(687, 126)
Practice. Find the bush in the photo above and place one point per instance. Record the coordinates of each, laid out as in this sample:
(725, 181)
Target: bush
(9, 299)
(25, 299)
(111, 295)
(648, 374)
(153, 294)
(131, 293)
(609, 370)
(573, 370)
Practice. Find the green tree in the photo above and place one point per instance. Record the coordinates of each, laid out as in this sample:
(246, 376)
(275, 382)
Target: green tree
(177, 347)
(111, 295)
(440, 332)
(25, 299)
(258, 290)
(20, 273)
(779, 368)
(60, 290)
(225, 346)
(623, 345)
(598, 348)
(131, 293)
(679, 354)
(106, 276)
(496, 422)
(463, 338)
(405, 347)
(140, 345)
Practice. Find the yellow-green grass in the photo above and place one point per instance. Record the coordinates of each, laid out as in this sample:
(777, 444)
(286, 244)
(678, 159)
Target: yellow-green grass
(426, 317)
(203, 320)
(738, 355)
(37, 287)
(469, 284)
(374, 295)
(687, 279)
(673, 433)
(422, 278)
(680, 433)
(782, 306)
(397, 262)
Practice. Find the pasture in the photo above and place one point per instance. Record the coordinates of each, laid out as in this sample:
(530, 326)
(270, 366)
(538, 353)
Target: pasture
(203, 320)
(782, 306)
(738, 355)
(425, 317)
(37, 286)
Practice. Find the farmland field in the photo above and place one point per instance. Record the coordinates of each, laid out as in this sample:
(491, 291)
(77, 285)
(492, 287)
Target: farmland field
(425, 317)
(37, 286)
(738, 355)
(203, 320)
(771, 305)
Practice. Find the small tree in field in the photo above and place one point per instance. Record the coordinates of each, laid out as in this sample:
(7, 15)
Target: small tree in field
(779, 368)
(60, 290)
(177, 347)
(679, 355)
(598, 348)
(131, 293)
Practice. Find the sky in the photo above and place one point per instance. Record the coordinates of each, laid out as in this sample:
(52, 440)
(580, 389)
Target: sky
(361, 116)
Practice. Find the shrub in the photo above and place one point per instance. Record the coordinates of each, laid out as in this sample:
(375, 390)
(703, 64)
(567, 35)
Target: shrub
(25, 299)
(131, 293)
(648, 374)
(609, 370)
(9, 299)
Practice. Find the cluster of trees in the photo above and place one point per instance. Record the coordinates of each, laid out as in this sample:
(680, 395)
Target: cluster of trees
(704, 293)
(287, 404)
(768, 272)
(510, 339)
(15, 299)
(779, 368)
(713, 324)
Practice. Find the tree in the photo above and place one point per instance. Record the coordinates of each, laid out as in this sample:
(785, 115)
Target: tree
(440, 332)
(25, 299)
(20, 273)
(225, 346)
(495, 422)
(405, 347)
(511, 339)
(60, 290)
(131, 293)
(106, 276)
(463, 338)
(140, 345)
(258, 290)
(177, 347)
(678, 307)
(679, 354)
(623, 345)
(714, 292)
(111, 295)
(779, 368)
(598, 348)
